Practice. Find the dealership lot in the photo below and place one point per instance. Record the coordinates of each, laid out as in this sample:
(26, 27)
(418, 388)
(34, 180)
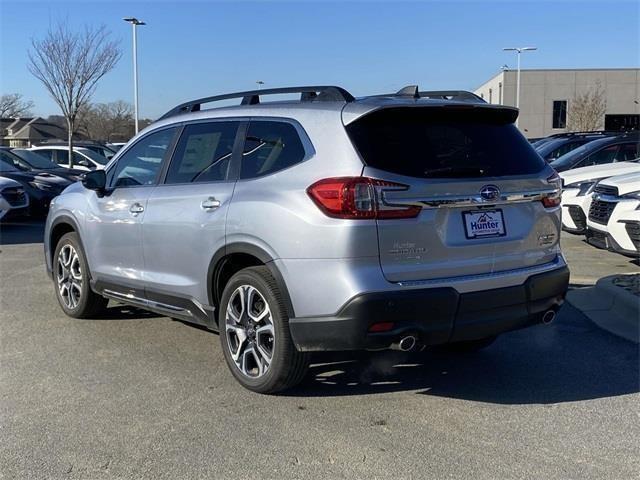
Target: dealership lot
(134, 394)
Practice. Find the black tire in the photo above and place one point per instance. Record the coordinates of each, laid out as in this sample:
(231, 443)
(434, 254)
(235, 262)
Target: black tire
(288, 366)
(471, 345)
(89, 304)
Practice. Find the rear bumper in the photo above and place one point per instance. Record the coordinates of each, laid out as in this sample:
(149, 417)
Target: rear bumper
(434, 315)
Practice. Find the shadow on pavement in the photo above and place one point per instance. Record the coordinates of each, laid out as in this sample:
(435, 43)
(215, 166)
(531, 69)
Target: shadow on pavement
(21, 231)
(568, 361)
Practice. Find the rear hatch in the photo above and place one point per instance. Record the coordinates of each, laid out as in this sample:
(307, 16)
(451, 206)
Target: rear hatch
(479, 182)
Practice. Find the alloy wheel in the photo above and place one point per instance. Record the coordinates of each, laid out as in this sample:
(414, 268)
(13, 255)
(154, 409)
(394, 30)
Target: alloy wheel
(250, 331)
(69, 276)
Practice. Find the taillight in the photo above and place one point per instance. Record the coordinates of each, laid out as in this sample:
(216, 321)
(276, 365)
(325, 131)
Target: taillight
(553, 199)
(358, 198)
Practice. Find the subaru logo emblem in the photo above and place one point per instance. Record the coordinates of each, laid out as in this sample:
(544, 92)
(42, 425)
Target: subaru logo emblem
(490, 192)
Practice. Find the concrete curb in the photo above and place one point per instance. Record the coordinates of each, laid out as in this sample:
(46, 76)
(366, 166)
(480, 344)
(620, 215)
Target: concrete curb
(612, 304)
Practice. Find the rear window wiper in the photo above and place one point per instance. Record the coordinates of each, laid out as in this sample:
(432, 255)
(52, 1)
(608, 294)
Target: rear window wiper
(475, 171)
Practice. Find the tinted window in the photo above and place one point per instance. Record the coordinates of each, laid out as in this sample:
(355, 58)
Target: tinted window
(6, 163)
(141, 163)
(434, 142)
(203, 153)
(12, 159)
(628, 151)
(6, 166)
(48, 154)
(34, 160)
(606, 155)
(269, 147)
(62, 156)
(559, 114)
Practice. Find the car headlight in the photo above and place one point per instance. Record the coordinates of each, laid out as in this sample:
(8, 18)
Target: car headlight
(42, 186)
(632, 196)
(583, 187)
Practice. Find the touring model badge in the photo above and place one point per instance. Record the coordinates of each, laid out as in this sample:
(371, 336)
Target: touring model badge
(490, 192)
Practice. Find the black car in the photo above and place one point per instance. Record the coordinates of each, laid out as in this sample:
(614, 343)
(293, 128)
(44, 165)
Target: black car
(95, 147)
(40, 185)
(27, 160)
(558, 145)
(620, 148)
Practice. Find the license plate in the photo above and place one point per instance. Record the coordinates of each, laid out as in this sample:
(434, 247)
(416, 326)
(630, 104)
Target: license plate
(484, 223)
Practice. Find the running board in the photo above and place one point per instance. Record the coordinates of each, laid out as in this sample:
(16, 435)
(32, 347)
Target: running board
(162, 308)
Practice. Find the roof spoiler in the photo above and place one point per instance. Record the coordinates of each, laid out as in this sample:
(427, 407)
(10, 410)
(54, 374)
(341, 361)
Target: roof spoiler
(324, 93)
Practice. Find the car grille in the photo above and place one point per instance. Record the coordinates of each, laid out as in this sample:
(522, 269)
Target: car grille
(600, 211)
(633, 230)
(606, 190)
(14, 196)
(578, 217)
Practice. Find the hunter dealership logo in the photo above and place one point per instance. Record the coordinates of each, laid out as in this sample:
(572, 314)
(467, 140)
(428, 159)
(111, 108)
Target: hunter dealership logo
(485, 222)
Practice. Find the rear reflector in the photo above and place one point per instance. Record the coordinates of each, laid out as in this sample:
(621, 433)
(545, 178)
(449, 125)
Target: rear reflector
(358, 198)
(381, 327)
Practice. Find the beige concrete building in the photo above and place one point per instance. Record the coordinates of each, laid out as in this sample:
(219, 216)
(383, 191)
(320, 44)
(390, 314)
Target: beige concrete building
(546, 96)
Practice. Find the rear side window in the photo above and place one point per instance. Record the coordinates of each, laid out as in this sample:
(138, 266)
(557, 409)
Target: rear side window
(62, 157)
(203, 153)
(628, 151)
(270, 147)
(606, 155)
(443, 143)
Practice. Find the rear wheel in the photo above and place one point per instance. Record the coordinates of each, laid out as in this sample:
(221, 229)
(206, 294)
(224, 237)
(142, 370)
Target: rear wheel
(71, 276)
(254, 333)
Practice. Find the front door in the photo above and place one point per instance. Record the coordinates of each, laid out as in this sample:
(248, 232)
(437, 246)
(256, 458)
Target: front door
(113, 224)
(184, 224)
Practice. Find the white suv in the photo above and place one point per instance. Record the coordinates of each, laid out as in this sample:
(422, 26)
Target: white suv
(614, 215)
(83, 158)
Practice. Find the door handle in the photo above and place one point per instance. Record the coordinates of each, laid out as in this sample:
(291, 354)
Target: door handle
(210, 203)
(136, 208)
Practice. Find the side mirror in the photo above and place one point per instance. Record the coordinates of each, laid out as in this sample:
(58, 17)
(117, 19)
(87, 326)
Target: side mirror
(95, 180)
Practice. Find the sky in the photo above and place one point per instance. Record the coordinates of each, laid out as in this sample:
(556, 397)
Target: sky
(191, 49)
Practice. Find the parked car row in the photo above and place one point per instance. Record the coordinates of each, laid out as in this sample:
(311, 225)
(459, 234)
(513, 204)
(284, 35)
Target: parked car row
(603, 203)
(43, 172)
(566, 151)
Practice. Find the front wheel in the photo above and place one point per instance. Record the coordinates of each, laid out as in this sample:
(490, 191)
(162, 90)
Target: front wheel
(254, 333)
(71, 277)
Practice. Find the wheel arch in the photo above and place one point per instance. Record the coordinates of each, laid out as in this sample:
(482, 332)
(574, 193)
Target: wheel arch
(59, 227)
(234, 257)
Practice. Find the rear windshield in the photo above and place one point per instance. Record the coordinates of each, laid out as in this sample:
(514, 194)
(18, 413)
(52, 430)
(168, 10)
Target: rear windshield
(443, 143)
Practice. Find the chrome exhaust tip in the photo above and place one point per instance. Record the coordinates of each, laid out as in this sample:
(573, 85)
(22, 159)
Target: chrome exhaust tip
(548, 317)
(407, 344)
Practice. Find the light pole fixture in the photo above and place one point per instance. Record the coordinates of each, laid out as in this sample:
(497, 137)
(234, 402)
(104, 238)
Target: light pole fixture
(519, 50)
(134, 23)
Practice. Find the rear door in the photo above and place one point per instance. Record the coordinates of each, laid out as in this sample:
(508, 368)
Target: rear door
(184, 223)
(457, 164)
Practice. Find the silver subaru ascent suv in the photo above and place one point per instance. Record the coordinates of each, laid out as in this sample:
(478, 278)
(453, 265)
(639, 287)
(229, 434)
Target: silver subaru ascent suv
(318, 223)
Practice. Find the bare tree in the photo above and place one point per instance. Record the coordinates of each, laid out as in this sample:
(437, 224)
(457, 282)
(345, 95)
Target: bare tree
(13, 106)
(70, 66)
(108, 121)
(586, 111)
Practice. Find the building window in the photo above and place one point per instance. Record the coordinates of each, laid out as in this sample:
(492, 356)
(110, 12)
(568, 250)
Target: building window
(490, 95)
(559, 114)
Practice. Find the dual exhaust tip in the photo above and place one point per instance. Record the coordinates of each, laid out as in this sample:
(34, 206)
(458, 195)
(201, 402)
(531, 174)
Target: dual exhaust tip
(405, 344)
(409, 343)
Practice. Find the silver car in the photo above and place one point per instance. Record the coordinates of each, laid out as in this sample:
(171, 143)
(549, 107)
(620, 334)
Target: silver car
(320, 223)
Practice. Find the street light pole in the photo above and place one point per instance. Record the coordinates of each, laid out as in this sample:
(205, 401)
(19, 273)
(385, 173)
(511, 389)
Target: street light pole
(519, 50)
(134, 23)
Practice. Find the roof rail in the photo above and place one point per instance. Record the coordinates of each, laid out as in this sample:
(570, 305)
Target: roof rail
(324, 93)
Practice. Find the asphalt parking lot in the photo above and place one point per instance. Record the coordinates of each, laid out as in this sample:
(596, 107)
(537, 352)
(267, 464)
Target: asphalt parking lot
(134, 395)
